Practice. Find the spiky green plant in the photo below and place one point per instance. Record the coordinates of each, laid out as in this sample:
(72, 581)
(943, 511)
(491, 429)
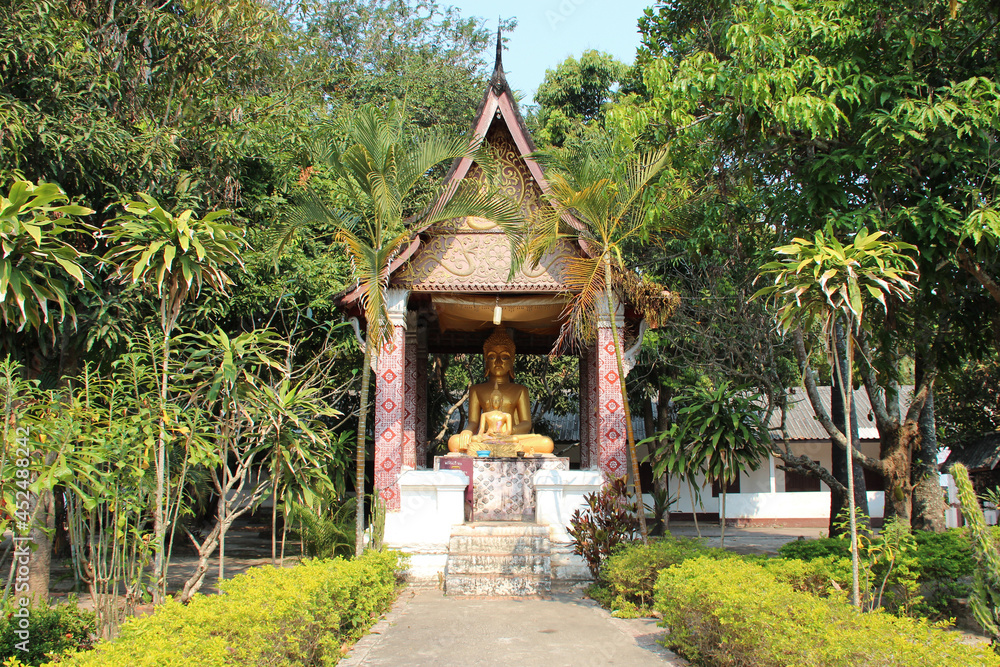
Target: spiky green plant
(985, 597)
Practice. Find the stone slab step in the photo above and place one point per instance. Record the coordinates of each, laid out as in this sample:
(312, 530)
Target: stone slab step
(497, 544)
(496, 586)
(516, 564)
(500, 529)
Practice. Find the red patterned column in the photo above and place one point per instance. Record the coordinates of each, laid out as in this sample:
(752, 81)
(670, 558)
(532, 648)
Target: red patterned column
(585, 409)
(410, 395)
(612, 449)
(593, 403)
(389, 403)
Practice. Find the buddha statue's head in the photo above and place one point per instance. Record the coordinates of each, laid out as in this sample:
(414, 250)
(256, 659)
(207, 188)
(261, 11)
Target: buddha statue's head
(498, 354)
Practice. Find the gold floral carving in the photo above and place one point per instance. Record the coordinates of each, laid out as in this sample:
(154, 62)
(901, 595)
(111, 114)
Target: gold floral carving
(515, 181)
(473, 254)
(478, 262)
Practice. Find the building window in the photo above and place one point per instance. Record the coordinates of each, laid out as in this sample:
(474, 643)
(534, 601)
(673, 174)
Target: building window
(734, 487)
(796, 482)
(873, 481)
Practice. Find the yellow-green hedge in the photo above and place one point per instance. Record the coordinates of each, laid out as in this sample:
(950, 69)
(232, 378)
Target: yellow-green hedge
(731, 612)
(268, 616)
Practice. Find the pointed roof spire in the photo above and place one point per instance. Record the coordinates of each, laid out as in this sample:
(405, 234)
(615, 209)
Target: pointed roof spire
(498, 80)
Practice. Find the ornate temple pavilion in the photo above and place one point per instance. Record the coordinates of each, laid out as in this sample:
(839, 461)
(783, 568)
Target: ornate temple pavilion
(443, 290)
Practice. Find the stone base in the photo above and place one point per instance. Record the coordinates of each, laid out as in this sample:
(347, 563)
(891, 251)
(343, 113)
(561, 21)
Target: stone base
(503, 488)
(496, 586)
(498, 560)
(567, 567)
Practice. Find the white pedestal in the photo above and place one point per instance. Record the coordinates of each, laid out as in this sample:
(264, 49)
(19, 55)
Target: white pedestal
(431, 502)
(558, 493)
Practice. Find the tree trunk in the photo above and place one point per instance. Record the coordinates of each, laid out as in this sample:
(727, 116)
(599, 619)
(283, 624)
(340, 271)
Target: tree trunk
(847, 396)
(722, 516)
(896, 448)
(274, 513)
(205, 550)
(359, 472)
(160, 511)
(662, 425)
(694, 510)
(40, 560)
(838, 464)
(928, 498)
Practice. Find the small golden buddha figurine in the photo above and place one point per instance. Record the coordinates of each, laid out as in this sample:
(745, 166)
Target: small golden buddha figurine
(494, 424)
(502, 395)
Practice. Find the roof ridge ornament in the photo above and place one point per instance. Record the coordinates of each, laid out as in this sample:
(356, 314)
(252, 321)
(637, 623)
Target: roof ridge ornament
(498, 80)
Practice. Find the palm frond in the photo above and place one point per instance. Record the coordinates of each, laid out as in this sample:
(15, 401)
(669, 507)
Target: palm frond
(428, 152)
(585, 281)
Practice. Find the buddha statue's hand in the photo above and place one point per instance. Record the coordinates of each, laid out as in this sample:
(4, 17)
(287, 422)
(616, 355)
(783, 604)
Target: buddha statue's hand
(464, 438)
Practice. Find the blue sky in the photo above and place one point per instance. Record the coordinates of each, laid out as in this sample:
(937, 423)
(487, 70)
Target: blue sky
(548, 31)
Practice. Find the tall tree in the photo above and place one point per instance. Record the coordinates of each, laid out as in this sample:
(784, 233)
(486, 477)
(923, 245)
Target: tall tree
(426, 52)
(573, 95)
(175, 257)
(599, 199)
(850, 113)
(821, 282)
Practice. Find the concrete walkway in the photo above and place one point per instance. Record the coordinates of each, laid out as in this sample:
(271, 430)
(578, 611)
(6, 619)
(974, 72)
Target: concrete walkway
(427, 628)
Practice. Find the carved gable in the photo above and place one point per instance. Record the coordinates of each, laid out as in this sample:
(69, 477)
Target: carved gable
(473, 254)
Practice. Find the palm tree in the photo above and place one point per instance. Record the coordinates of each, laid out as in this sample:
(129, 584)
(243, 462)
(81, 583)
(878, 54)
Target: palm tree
(721, 433)
(378, 169)
(600, 200)
(821, 281)
(175, 255)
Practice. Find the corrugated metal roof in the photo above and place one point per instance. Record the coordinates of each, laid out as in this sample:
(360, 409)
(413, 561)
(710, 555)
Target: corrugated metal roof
(801, 422)
(983, 453)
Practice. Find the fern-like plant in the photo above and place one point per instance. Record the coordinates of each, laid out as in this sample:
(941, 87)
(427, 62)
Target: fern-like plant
(985, 597)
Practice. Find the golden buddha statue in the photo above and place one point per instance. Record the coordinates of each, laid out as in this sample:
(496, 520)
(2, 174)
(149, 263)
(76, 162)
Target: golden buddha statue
(500, 395)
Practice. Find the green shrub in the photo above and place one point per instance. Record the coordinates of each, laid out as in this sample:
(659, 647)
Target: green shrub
(629, 575)
(731, 612)
(824, 577)
(269, 616)
(946, 555)
(923, 581)
(819, 548)
(51, 630)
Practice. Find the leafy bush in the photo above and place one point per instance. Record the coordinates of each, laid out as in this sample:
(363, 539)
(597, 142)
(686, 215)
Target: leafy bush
(276, 616)
(823, 577)
(924, 580)
(946, 555)
(731, 612)
(629, 575)
(51, 630)
(609, 520)
(327, 533)
(819, 548)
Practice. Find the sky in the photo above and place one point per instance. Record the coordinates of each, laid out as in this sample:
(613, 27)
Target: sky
(549, 31)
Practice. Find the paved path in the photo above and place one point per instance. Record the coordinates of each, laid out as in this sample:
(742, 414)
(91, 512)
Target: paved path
(427, 628)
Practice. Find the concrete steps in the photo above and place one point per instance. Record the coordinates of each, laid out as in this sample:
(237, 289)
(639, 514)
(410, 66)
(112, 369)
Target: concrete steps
(499, 560)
